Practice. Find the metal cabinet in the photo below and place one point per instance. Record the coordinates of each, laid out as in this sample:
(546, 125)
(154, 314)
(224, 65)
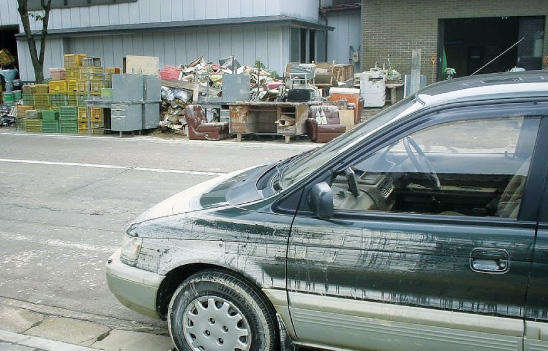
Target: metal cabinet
(126, 117)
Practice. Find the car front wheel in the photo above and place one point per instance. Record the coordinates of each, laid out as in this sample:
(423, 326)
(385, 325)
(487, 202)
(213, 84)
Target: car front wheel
(216, 310)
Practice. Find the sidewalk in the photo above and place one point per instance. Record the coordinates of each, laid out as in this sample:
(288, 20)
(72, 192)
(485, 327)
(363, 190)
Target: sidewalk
(25, 327)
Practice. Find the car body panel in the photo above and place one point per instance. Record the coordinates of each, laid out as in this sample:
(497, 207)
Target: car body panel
(384, 281)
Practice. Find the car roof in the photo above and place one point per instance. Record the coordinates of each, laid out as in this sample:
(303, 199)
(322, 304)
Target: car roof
(509, 85)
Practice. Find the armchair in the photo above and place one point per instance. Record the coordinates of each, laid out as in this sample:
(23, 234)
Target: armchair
(324, 124)
(200, 129)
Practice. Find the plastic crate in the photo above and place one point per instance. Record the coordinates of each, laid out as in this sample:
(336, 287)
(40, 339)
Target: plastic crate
(28, 99)
(91, 61)
(70, 60)
(20, 123)
(95, 87)
(72, 86)
(33, 125)
(33, 114)
(28, 89)
(58, 87)
(22, 110)
(40, 89)
(50, 126)
(41, 101)
(57, 100)
(68, 126)
(72, 73)
(50, 115)
(96, 127)
(96, 114)
(170, 73)
(68, 113)
(91, 73)
(82, 86)
(57, 74)
(82, 113)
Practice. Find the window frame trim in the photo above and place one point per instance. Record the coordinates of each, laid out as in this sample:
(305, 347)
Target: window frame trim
(536, 176)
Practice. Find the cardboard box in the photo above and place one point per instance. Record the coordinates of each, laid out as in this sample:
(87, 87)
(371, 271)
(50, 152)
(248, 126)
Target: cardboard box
(347, 118)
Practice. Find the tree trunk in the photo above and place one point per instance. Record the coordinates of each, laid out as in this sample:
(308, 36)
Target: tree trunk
(37, 59)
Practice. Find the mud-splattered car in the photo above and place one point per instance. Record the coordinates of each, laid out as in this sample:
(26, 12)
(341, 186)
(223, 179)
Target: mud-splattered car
(423, 229)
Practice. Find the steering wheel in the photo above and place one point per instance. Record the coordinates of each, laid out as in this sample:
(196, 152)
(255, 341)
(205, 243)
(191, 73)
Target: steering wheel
(420, 161)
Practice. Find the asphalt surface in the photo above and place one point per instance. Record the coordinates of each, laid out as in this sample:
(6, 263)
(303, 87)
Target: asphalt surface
(65, 202)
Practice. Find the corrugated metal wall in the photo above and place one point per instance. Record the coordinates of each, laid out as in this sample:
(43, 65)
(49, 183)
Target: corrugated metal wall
(348, 32)
(154, 11)
(267, 44)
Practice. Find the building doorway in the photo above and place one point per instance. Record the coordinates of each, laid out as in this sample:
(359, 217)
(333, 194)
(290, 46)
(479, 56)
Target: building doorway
(468, 45)
(8, 41)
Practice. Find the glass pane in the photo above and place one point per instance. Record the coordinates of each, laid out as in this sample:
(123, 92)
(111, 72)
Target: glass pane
(465, 168)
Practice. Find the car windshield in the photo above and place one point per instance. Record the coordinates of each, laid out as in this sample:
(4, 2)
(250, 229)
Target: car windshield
(303, 165)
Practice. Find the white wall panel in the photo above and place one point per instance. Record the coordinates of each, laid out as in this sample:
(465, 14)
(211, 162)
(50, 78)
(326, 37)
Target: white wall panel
(165, 11)
(347, 33)
(123, 12)
(188, 10)
(8, 13)
(246, 8)
(234, 9)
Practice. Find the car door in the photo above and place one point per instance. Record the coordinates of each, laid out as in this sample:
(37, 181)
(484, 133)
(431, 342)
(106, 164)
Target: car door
(405, 265)
(536, 313)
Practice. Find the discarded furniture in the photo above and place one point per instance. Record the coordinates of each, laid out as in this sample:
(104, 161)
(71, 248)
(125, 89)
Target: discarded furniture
(373, 90)
(324, 124)
(269, 118)
(200, 129)
(351, 96)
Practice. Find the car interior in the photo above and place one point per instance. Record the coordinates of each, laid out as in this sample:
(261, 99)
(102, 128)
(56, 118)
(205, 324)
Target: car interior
(402, 177)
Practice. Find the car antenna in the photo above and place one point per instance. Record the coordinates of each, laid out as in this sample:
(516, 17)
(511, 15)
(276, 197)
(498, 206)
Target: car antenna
(504, 52)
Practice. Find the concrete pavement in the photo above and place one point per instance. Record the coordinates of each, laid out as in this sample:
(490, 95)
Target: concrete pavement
(28, 327)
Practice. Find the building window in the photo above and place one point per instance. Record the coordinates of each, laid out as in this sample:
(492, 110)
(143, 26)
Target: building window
(35, 5)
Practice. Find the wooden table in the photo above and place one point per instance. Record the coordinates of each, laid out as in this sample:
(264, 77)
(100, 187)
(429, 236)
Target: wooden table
(269, 118)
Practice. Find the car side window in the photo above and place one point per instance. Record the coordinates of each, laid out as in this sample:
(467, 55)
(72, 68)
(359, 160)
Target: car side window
(472, 167)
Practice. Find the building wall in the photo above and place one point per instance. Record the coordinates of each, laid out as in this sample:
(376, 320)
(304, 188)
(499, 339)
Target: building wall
(8, 13)
(248, 43)
(393, 28)
(154, 11)
(348, 32)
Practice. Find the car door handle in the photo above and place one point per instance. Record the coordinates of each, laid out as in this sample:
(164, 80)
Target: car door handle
(486, 260)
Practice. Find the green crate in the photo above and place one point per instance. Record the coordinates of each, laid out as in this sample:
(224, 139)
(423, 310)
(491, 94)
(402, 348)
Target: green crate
(68, 113)
(50, 126)
(28, 99)
(50, 115)
(33, 125)
(57, 100)
(68, 126)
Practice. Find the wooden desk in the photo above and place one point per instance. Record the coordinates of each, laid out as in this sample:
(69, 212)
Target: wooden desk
(248, 117)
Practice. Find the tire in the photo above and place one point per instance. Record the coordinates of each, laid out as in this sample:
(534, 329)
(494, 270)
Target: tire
(216, 310)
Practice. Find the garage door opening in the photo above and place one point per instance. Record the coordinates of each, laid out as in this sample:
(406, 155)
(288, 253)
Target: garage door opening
(8, 42)
(469, 44)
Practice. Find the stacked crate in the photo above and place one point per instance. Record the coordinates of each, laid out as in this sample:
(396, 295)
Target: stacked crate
(22, 116)
(96, 120)
(68, 119)
(50, 121)
(33, 121)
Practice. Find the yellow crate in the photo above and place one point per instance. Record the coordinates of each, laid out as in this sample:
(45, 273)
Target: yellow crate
(71, 60)
(82, 86)
(96, 86)
(58, 86)
(72, 87)
(82, 113)
(91, 73)
(96, 114)
(22, 110)
(40, 89)
(72, 73)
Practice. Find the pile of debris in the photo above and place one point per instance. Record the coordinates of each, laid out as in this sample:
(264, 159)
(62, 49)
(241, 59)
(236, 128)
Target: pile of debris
(200, 80)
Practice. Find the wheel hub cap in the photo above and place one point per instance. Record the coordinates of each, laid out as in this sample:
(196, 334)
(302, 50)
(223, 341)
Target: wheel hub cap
(213, 323)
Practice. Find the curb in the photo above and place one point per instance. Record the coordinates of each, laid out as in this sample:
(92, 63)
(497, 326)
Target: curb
(39, 343)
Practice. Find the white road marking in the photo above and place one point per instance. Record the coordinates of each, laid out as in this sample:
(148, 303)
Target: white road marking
(143, 169)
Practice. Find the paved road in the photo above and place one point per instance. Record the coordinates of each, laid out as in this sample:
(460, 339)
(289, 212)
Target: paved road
(65, 202)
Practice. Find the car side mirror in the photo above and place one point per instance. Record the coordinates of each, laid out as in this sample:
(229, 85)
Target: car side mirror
(321, 200)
